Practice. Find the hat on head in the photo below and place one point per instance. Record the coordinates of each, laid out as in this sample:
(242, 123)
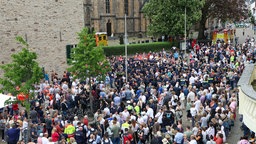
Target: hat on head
(220, 122)
(167, 136)
(158, 133)
(223, 116)
(143, 113)
(213, 120)
(165, 141)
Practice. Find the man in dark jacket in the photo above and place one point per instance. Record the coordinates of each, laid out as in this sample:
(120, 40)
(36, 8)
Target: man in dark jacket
(79, 136)
(13, 134)
(48, 124)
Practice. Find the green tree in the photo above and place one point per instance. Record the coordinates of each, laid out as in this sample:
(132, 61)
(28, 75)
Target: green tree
(87, 60)
(232, 10)
(167, 16)
(252, 19)
(21, 74)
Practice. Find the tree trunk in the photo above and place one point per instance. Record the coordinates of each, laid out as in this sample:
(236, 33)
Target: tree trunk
(91, 96)
(27, 137)
(202, 22)
(29, 129)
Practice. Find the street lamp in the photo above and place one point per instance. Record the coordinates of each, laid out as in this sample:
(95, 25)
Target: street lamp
(125, 43)
(185, 30)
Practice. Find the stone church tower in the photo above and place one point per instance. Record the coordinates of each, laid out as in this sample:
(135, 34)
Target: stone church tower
(109, 16)
(49, 26)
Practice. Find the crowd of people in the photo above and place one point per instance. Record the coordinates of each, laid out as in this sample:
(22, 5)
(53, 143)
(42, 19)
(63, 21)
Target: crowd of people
(169, 97)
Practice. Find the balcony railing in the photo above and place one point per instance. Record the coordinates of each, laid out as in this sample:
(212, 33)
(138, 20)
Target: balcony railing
(247, 96)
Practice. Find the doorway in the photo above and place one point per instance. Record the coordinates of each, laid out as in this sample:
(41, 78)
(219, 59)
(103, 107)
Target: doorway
(109, 30)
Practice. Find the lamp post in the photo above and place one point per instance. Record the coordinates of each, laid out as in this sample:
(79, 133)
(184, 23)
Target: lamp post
(125, 43)
(185, 30)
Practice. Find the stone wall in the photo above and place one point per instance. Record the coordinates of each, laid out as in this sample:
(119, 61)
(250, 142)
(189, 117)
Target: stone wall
(47, 25)
(136, 22)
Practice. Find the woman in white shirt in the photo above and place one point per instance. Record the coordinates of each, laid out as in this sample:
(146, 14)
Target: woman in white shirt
(182, 100)
(159, 116)
(193, 112)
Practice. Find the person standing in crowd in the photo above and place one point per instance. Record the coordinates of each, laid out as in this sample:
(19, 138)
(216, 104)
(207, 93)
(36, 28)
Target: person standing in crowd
(55, 135)
(45, 139)
(2, 127)
(178, 139)
(193, 112)
(13, 134)
(80, 136)
(115, 129)
(69, 130)
(127, 138)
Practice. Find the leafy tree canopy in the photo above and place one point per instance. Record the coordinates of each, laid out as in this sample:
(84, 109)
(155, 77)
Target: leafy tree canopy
(87, 59)
(22, 72)
(167, 16)
(225, 10)
(232, 10)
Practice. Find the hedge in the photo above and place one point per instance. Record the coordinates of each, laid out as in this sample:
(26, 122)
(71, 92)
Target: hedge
(139, 48)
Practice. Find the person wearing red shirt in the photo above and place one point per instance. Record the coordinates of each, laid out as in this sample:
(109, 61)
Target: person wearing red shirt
(15, 108)
(55, 135)
(120, 58)
(127, 137)
(59, 130)
(86, 120)
(219, 138)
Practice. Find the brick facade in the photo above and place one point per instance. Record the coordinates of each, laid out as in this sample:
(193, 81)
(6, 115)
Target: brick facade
(50, 25)
(99, 18)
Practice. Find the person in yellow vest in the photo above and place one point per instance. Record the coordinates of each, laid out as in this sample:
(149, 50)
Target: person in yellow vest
(129, 106)
(136, 108)
(126, 124)
(232, 58)
(69, 130)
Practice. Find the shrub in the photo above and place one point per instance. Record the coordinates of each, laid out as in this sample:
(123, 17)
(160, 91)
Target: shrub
(139, 48)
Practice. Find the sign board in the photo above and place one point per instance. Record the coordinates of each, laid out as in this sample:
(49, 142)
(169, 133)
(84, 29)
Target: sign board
(220, 36)
(183, 45)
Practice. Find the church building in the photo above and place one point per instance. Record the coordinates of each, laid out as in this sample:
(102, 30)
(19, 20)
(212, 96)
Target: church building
(50, 26)
(109, 16)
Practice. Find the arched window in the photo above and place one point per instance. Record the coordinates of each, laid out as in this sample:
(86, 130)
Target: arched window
(126, 7)
(107, 6)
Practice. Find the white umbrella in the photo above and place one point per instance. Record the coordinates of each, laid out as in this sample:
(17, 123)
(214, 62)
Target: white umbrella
(3, 98)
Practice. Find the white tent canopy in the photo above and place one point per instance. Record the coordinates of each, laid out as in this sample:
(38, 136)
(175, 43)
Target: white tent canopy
(3, 98)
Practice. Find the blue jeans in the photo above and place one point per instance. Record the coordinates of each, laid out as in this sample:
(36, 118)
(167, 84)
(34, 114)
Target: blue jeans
(193, 121)
(116, 140)
(25, 135)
